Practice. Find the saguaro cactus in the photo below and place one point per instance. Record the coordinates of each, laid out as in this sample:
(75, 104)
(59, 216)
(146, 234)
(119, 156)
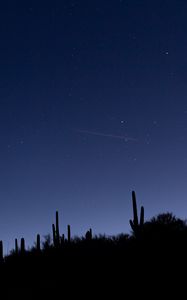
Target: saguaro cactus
(16, 246)
(1, 251)
(57, 230)
(135, 224)
(38, 248)
(22, 245)
(62, 239)
(69, 234)
(54, 234)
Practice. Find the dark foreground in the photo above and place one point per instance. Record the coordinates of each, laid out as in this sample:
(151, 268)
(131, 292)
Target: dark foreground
(101, 268)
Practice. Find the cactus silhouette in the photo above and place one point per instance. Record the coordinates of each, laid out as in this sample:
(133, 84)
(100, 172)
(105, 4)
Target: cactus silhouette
(62, 239)
(56, 232)
(22, 245)
(135, 224)
(69, 234)
(38, 248)
(54, 235)
(1, 251)
(16, 246)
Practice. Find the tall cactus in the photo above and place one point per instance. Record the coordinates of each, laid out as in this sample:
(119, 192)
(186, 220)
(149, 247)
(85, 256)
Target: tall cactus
(69, 234)
(54, 234)
(135, 224)
(1, 251)
(57, 230)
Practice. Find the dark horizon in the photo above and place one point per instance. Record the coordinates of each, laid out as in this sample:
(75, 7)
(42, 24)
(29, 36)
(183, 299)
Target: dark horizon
(92, 106)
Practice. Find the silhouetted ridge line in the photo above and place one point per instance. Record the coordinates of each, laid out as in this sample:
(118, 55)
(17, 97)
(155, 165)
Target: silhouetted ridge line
(61, 259)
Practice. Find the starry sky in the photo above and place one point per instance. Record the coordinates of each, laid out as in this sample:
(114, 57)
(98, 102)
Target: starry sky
(93, 105)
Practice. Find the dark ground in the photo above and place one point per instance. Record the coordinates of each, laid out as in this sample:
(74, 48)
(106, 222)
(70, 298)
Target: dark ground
(121, 270)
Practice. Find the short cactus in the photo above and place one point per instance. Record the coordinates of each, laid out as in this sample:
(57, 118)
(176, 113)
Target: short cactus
(38, 247)
(62, 239)
(69, 234)
(1, 251)
(22, 245)
(16, 247)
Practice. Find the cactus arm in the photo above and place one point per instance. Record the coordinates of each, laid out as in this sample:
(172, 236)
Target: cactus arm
(142, 216)
(135, 211)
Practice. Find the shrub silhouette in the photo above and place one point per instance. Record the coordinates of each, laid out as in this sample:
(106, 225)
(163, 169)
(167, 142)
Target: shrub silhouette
(46, 244)
(165, 227)
(88, 235)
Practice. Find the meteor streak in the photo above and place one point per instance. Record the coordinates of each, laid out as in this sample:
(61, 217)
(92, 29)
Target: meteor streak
(114, 136)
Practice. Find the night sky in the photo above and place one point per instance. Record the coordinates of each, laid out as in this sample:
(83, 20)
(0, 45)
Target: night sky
(93, 105)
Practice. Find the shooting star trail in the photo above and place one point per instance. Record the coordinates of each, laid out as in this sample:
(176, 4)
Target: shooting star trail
(119, 137)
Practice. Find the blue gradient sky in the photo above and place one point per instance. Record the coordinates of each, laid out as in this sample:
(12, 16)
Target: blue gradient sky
(93, 104)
